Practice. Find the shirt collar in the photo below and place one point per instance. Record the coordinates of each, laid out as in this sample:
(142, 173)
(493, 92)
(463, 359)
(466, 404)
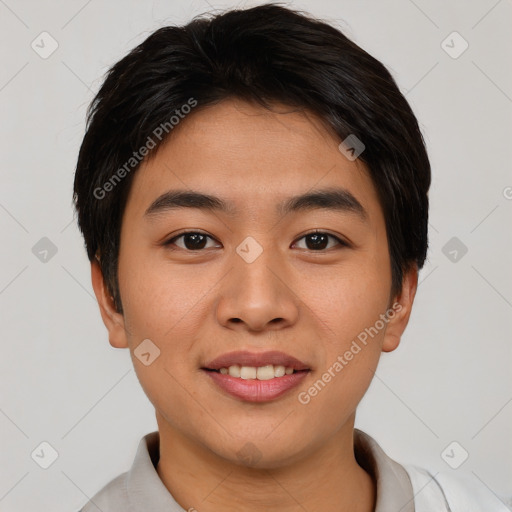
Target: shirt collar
(147, 492)
(394, 487)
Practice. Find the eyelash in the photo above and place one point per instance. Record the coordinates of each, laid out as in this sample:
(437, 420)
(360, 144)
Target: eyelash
(171, 241)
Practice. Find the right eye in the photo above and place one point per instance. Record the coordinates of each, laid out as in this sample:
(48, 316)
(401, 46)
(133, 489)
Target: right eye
(192, 241)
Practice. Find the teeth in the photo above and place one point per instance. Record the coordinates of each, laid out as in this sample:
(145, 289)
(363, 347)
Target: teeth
(279, 371)
(261, 373)
(248, 372)
(265, 372)
(234, 370)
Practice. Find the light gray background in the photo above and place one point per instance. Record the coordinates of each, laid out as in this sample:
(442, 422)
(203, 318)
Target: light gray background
(63, 383)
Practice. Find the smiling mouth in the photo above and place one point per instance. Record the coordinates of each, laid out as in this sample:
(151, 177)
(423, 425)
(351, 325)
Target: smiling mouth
(266, 372)
(256, 383)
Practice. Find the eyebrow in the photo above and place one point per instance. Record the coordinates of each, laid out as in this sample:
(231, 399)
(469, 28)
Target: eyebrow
(337, 199)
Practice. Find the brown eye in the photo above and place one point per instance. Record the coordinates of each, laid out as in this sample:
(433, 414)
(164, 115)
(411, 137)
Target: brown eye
(318, 241)
(192, 241)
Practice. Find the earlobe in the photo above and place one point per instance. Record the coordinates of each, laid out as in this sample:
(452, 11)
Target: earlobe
(114, 321)
(400, 310)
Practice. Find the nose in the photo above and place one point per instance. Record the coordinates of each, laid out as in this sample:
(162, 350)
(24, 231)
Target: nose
(257, 296)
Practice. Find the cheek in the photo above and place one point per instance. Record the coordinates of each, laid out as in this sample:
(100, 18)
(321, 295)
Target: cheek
(163, 306)
(349, 308)
(351, 352)
(333, 397)
(348, 298)
(158, 300)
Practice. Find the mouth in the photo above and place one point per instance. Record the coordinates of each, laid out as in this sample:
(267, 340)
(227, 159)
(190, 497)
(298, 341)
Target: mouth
(247, 359)
(266, 372)
(256, 377)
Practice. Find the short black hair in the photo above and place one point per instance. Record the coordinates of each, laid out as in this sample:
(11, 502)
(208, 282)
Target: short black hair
(267, 54)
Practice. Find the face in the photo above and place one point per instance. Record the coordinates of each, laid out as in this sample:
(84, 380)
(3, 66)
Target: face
(263, 273)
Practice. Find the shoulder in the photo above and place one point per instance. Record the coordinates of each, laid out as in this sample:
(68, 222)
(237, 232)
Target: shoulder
(451, 492)
(111, 498)
(139, 488)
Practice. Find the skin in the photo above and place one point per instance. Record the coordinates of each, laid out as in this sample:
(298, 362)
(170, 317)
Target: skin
(196, 305)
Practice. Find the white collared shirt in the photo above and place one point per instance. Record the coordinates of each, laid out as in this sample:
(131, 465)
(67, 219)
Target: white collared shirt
(399, 488)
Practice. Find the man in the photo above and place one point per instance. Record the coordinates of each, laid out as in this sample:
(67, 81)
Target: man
(253, 193)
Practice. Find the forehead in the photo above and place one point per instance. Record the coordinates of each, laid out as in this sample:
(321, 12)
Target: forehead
(251, 158)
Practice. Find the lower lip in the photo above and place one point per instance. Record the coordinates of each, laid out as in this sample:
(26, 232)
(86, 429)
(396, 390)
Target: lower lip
(254, 390)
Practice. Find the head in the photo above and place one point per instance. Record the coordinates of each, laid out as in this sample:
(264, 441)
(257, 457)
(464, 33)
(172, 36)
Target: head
(253, 108)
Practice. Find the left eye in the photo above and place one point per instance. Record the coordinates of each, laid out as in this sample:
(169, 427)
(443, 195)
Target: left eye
(318, 240)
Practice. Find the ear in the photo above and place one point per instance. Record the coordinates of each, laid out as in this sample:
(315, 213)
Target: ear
(400, 310)
(114, 321)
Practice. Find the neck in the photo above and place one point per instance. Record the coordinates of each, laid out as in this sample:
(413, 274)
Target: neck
(329, 479)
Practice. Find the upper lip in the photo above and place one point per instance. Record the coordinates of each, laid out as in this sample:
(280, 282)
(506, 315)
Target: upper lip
(257, 359)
